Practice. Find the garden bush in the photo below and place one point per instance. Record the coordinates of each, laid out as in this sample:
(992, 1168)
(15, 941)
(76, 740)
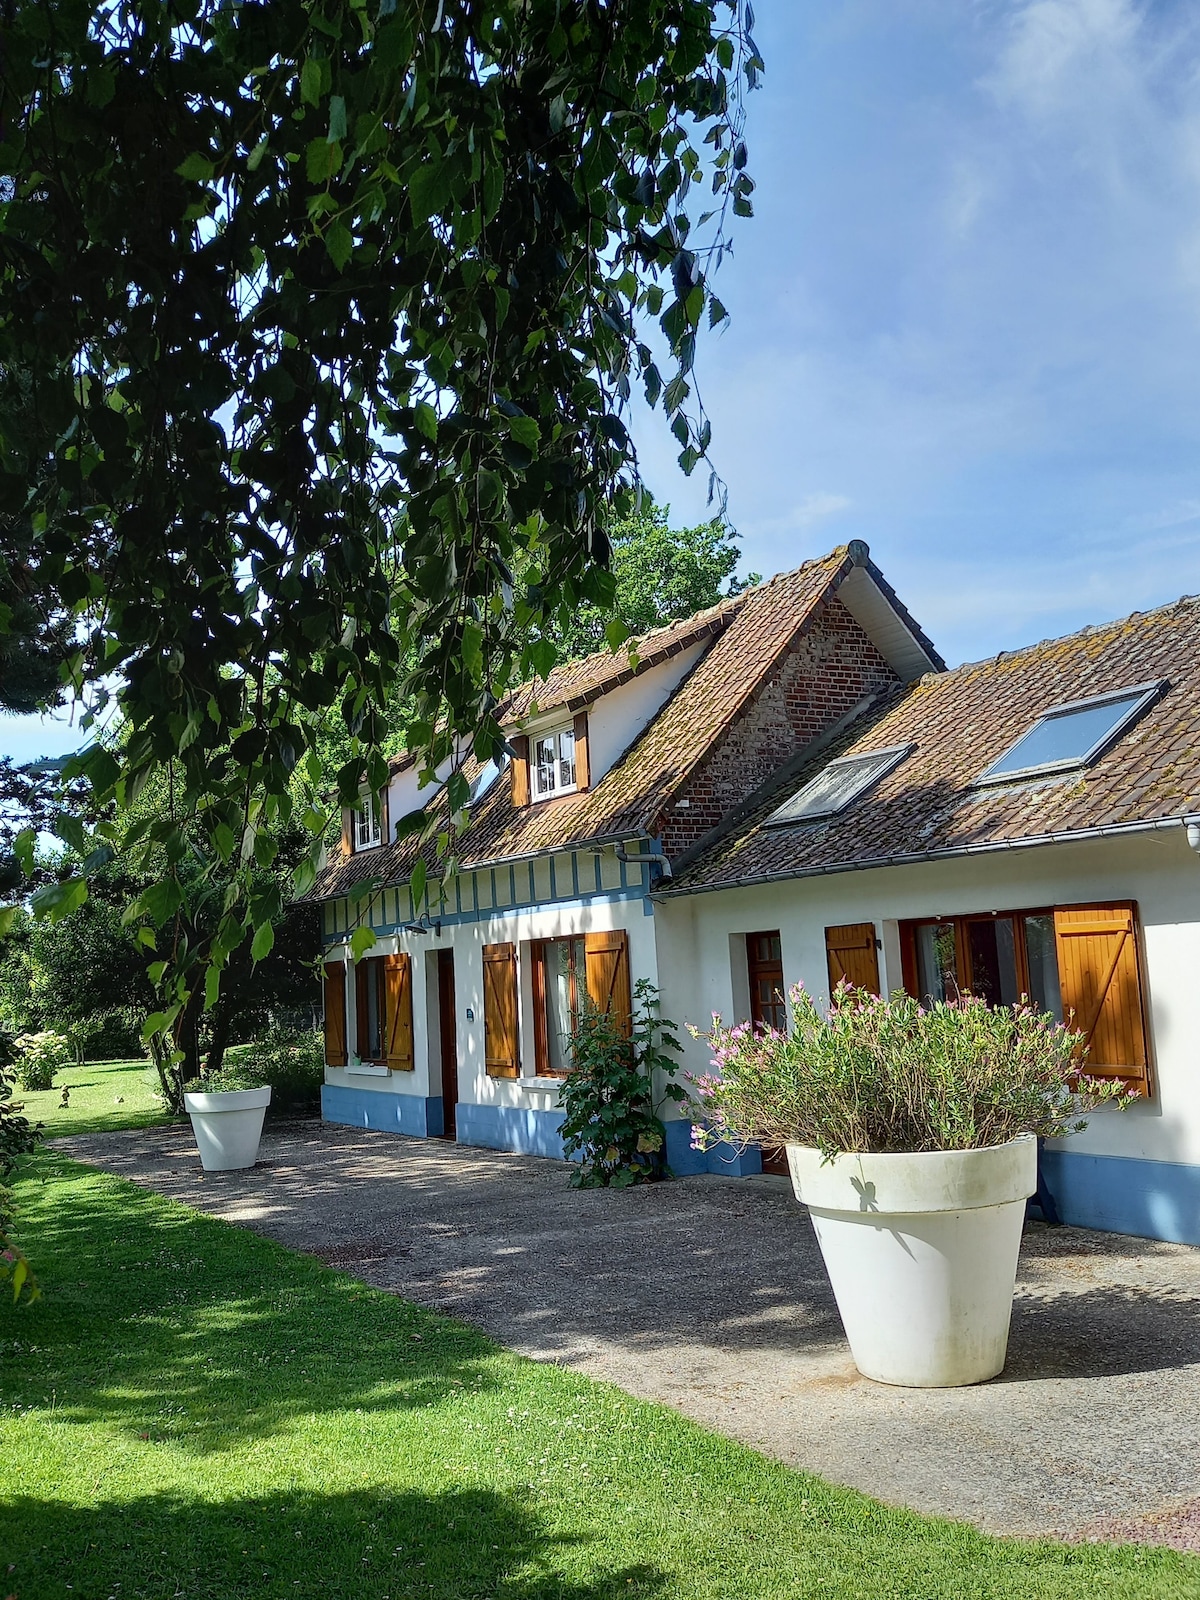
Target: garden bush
(895, 1075)
(40, 1056)
(611, 1119)
(292, 1063)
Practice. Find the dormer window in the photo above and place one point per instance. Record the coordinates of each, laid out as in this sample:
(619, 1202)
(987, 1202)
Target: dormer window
(367, 830)
(554, 763)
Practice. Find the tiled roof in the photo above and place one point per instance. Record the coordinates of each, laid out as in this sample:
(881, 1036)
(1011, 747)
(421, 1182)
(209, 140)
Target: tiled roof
(575, 684)
(754, 629)
(961, 721)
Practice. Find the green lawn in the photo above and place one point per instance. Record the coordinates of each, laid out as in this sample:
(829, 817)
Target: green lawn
(192, 1411)
(104, 1096)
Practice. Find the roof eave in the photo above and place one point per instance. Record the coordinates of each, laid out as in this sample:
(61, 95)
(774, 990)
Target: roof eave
(949, 853)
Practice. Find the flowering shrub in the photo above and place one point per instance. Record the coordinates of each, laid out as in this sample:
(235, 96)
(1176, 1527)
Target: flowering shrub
(40, 1056)
(608, 1096)
(880, 1075)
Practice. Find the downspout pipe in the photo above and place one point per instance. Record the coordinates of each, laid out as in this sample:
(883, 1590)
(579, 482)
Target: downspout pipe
(656, 858)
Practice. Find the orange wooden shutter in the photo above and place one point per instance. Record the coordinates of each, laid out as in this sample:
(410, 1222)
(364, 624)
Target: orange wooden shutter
(335, 1014)
(501, 1056)
(1099, 975)
(850, 954)
(607, 957)
(520, 770)
(347, 833)
(398, 1011)
(581, 750)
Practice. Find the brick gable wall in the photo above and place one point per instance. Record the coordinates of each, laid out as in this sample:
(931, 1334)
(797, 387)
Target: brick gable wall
(824, 674)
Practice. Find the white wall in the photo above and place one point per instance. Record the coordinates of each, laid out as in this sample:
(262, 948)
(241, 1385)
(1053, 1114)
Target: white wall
(1157, 870)
(467, 940)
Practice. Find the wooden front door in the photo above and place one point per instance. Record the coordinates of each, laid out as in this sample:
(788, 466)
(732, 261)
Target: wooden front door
(449, 1039)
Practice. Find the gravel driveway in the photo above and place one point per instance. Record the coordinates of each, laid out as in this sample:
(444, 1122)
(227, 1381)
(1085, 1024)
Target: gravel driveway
(709, 1295)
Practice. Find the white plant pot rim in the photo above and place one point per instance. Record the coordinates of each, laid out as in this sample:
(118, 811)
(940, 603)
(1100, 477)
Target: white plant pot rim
(908, 1183)
(227, 1100)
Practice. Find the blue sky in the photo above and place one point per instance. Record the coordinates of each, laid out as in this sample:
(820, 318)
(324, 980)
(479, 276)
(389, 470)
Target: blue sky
(966, 317)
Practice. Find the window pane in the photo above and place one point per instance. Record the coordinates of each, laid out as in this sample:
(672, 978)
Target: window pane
(544, 755)
(1042, 954)
(841, 782)
(1067, 737)
(374, 1045)
(937, 977)
(993, 961)
(566, 759)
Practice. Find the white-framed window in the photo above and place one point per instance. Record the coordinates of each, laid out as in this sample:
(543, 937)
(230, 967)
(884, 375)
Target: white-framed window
(367, 830)
(553, 765)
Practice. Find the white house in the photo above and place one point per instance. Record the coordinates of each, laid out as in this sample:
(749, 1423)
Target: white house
(1024, 825)
(787, 788)
(452, 1024)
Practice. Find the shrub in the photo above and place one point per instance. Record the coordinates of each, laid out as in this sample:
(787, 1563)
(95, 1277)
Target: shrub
(894, 1075)
(39, 1057)
(17, 1139)
(608, 1096)
(292, 1063)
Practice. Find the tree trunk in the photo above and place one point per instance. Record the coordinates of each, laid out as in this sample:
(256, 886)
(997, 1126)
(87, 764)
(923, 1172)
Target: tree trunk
(222, 1021)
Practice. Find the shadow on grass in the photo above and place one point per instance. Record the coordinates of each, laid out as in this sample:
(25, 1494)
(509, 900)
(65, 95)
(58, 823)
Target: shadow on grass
(463, 1544)
(177, 1329)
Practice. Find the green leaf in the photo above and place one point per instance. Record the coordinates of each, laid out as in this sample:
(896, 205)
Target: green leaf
(310, 81)
(426, 419)
(339, 241)
(615, 633)
(8, 916)
(526, 431)
(72, 832)
(155, 971)
(263, 943)
(197, 167)
(361, 941)
(429, 189)
(472, 653)
(322, 160)
(58, 900)
(417, 887)
(254, 159)
(337, 118)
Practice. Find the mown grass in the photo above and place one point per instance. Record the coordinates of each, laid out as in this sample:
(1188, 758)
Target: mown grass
(104, 1096)
(190, 1410)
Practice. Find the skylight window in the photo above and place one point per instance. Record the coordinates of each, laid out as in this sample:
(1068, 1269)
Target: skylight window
(841, 783)
(1072, 735)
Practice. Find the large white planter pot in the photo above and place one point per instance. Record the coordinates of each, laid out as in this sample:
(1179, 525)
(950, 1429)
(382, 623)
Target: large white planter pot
(921, 1251)
(228, 1126)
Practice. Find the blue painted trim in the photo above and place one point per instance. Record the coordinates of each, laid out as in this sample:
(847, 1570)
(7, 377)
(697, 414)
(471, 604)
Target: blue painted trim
(723, 1160)
(1121, 1194)
(519, 1128)
(418, 1115)
(450, 919)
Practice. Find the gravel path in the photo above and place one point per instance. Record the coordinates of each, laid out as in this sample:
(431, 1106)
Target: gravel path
(710, 1295)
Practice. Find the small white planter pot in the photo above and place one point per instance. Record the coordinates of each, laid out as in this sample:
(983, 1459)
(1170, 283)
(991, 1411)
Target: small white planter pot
(228, 1126)
(921, 1251)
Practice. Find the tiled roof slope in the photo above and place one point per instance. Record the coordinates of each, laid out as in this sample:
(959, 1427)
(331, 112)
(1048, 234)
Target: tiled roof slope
(575, 684)
(960, 722)
(626, 802)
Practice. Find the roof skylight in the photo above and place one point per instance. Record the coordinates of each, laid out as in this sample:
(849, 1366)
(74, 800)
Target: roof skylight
(841, 783)
(1072, 735)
